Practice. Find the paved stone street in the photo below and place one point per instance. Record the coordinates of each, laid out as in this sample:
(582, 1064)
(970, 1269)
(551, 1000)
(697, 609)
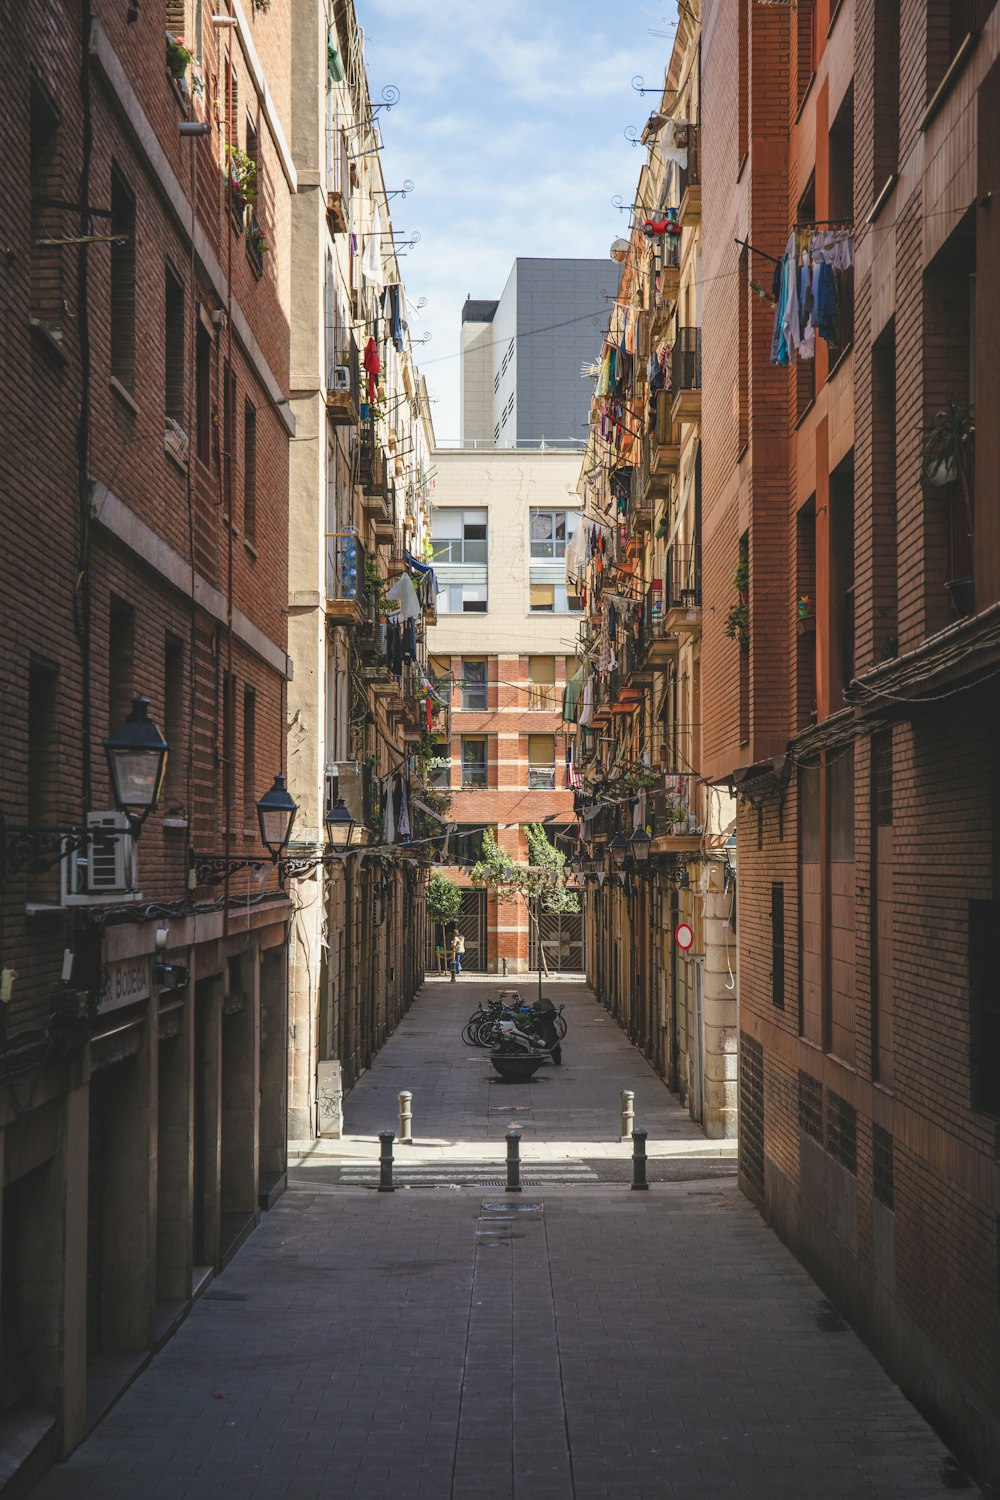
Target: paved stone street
(449, 1340)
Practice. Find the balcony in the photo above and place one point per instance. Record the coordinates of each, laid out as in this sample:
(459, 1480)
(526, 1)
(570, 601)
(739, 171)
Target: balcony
(662, 449)
(345, 580)
(689, 213)
(664, 286)
(384, 522)
(677, 825)
(682, 590)
(342, 378)
(372, 476)
(686, 405)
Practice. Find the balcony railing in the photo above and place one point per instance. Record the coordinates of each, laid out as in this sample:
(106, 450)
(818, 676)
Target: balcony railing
(687, 360)
(342, 374)
(541, 778)
(682, 578)
(676, 811)
(690, 176)
(345, 578)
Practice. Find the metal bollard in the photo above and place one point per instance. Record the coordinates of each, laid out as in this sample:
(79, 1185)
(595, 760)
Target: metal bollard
(628, 1114)
(513, 1161)
(406, 1117)
(386, 1138)
(505, 968)
(639, 1183)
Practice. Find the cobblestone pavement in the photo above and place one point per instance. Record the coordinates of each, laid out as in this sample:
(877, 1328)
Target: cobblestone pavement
(579, 1342)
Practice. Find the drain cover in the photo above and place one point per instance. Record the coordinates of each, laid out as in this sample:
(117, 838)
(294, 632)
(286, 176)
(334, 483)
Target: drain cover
(506, 1207)
(499, 1182)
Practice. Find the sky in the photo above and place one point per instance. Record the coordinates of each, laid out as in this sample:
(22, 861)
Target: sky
(511, 125)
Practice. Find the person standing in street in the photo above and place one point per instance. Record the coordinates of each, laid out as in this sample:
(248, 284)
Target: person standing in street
(459, 950)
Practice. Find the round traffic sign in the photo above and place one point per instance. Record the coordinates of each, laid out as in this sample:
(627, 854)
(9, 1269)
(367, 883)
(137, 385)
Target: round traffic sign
(684, 936)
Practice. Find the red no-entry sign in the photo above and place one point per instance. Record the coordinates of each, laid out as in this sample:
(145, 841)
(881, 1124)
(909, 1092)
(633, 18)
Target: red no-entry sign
(684, 936)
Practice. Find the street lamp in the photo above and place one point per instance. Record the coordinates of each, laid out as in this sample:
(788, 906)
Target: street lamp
(137, 762)
(339, 825)
(276, 814)
(641, 841)
(619, 849)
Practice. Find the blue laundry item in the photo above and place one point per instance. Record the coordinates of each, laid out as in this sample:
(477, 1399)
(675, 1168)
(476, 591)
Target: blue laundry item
(779, 341)
(825, 312)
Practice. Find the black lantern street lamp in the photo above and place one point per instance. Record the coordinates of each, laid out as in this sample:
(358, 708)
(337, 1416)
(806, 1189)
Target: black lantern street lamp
(641, 841)
(137, 763)
(339, 825)
(276, 814)
(619, 849)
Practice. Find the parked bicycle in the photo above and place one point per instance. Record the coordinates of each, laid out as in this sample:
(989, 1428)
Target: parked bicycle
(542, 1023)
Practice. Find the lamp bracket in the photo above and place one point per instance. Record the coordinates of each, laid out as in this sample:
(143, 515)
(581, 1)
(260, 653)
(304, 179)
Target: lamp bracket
(40, 848)
(213, 869)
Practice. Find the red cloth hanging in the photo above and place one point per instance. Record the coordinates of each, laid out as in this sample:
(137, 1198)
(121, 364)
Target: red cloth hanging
(428, 713)
(372, 366)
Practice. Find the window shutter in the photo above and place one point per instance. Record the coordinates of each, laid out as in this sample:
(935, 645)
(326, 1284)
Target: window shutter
(778, 945)
(177, 18)
(984, 1004)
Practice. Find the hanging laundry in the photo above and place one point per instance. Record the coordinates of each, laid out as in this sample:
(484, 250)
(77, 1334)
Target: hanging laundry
(391, 309)
(673, 143)
(372, 366)
(409, 641)
(403, 821)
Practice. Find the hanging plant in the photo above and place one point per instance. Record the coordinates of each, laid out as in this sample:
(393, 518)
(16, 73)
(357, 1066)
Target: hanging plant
(242, 173)
(950, 452)
(741, 579)
(179, 57)
(737, 626)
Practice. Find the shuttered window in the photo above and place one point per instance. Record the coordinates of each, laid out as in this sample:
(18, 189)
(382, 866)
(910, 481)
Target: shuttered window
(122, 283)
(778, 944)
(984, 1004)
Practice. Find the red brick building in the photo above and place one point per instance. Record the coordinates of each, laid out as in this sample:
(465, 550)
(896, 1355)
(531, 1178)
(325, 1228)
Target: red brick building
(856, 715)
(145, 444)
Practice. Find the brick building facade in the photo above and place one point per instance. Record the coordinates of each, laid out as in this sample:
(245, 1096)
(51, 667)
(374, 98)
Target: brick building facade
(855, 715)
(500, 650)
(145, 461)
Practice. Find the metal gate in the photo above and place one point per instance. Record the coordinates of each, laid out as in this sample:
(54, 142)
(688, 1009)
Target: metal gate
(563, 941)
(472, 925)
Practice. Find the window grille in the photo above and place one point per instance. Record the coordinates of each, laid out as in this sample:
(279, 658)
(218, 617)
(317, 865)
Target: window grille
(811, 1107)
(842, 1131)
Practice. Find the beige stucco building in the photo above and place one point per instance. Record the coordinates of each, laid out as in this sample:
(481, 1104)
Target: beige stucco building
(359, 477)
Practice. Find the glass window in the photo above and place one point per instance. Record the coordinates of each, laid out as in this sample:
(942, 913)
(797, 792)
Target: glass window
(462, 598)
(473, 761)
(441, 675)
(474, 690)
(541, 762)
(554, 598)
(439, 765)
(459, 536)
(551, 530)
(541, 682)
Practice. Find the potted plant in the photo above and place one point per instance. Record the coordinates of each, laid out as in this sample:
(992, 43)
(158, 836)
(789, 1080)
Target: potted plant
(242, 175)
(179, 57)
(949, 457)
(805, 611)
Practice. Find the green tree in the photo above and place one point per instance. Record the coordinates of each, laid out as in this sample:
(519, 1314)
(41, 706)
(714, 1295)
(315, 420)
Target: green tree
(542, 882)
(443, 898)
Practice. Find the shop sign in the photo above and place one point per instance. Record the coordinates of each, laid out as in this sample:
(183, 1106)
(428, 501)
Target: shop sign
(127, 983)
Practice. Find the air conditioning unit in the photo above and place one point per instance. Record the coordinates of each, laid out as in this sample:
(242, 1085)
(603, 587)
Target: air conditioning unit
(341, 377)
(176, 439)
(103, 870)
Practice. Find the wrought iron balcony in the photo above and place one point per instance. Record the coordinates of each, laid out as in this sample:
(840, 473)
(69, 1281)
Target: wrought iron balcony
(342, 377)
(682, 588)
(686, 405)
(345, 580)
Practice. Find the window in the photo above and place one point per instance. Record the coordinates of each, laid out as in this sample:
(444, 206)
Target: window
(541, 762)
(806, 39)
(551, 530)
(466, 843)
(743, 572)
(553, 598)
(841, 624)
(778, 944)
(228, 742)
(122, 283)
(811, 1106)
(984, 1005)
(439, 764)
(541, 682)
(441, 676)
(462, 598)
(842, 1131)
(840, 773)
(883, 491)
(882, 1167)
(249, 757)
(458, 536)
(46, 185)
(250, 472)
(173, 348)
(842, 208)
(203, 394)
(228, 435)
(43, 745)
(474, 685)
(885, 75)
(174, 720)
(121, 661)
(474, 761)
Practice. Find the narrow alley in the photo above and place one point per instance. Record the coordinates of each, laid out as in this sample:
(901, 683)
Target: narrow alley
(449, 1340)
